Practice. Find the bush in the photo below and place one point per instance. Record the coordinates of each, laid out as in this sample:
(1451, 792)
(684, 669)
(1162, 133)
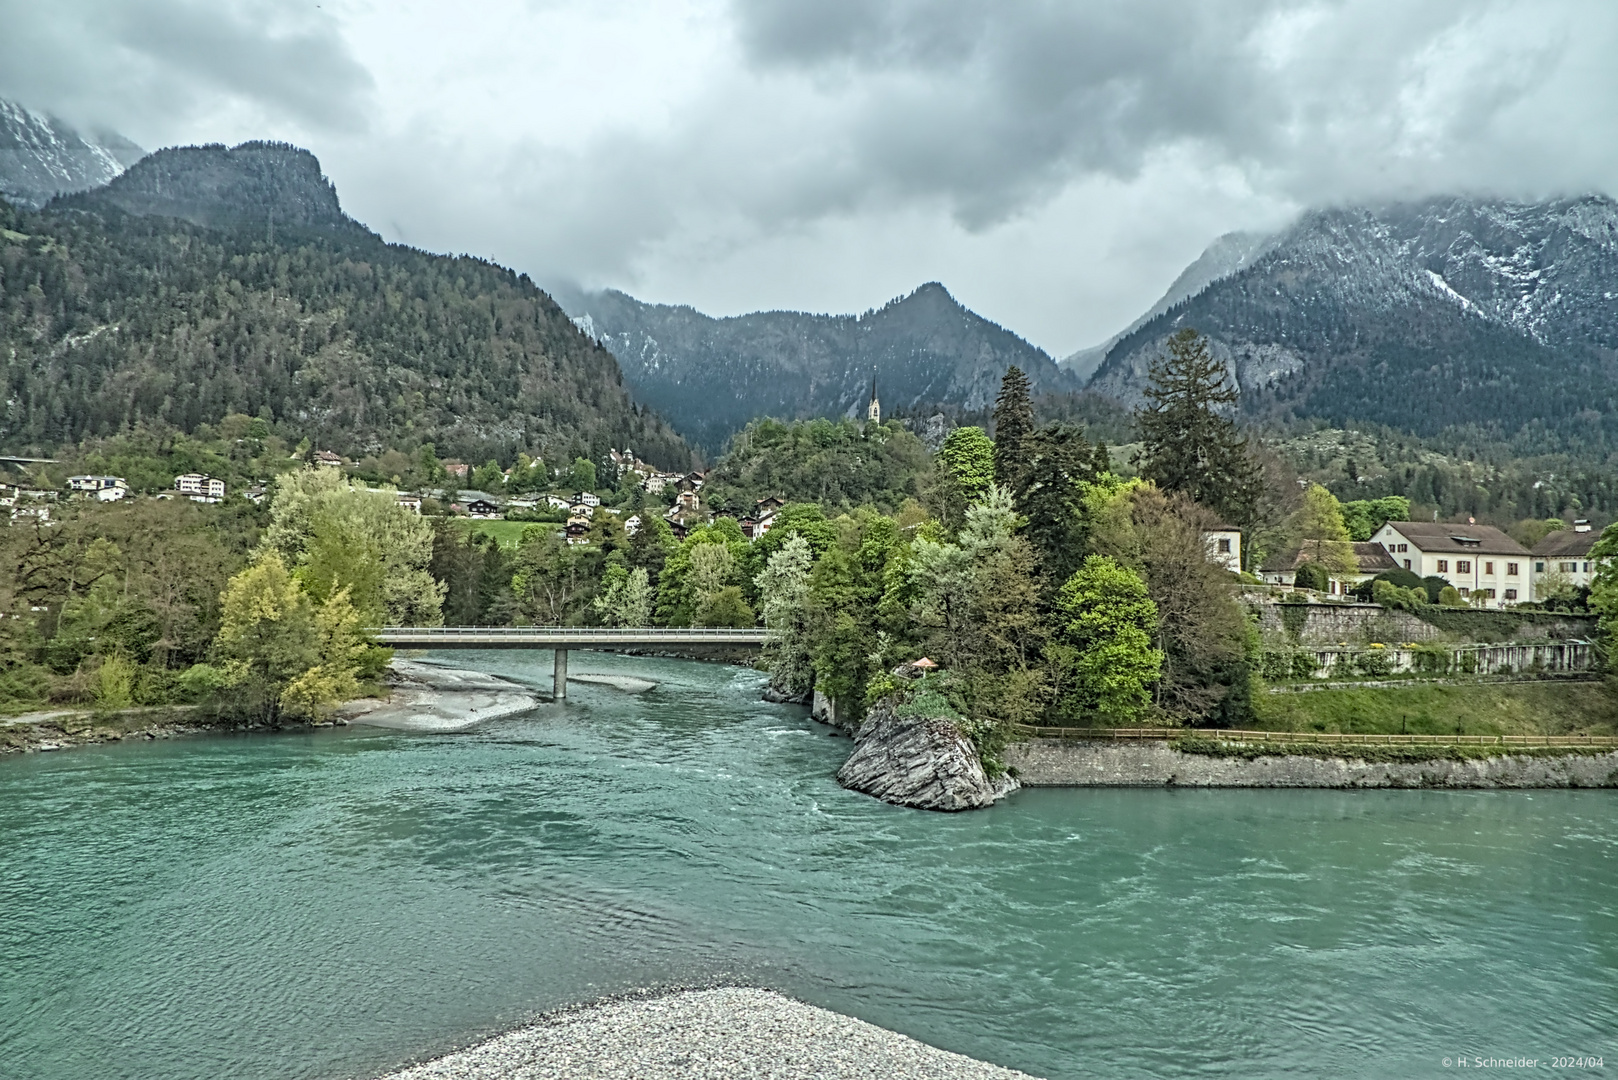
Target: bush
(1312, 576)
(1449, 597)
(1374, 662)
(1304, 665)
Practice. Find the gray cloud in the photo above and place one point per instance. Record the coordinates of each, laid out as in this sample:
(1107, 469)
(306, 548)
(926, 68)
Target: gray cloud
(149, 65)
(993, 103)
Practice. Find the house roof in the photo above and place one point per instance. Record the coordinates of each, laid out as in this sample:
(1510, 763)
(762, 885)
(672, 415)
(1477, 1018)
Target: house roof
(1566, 543)
(1372, 559)
(1444, 537)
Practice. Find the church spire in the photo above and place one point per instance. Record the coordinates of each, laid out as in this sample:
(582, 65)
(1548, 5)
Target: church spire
(873, 412)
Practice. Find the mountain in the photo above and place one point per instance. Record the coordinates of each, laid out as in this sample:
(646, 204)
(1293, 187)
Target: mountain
(1224, 257)
(1449, 313)
(257, 185)
(207, 281)
(711, 376)
(42, 157)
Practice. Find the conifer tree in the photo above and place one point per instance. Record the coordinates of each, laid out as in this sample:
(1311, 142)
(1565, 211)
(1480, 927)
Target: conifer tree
(1013, 423)
(1187, 444)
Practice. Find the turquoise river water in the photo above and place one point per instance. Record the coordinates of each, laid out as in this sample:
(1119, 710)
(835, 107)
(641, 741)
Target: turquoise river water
(338, 903)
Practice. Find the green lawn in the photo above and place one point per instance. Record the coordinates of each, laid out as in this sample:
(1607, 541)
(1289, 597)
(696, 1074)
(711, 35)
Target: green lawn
(506, 533)
(1511, 709)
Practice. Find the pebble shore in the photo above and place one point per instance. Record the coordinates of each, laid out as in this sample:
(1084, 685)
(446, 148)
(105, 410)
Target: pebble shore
(735, 1033)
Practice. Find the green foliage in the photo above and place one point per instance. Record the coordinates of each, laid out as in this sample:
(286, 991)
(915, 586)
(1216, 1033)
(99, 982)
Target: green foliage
(1013, 423)
(1312, 575)
(1374, 663)
(967, 457)
(1363, 517)
(1059, 466)
(1188, 443)
(783, 591)
(1449, 597)
(340, 536)
(836, 464)
(626, 597)
(283, 652)
(1103, 642)
(1322, 534)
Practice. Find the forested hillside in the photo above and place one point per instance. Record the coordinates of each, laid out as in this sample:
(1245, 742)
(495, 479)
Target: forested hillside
(116, 311)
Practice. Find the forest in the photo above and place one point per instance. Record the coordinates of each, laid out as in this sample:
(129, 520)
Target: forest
(111, 322)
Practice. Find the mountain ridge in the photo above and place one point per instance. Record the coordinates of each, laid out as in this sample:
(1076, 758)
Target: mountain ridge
(1437, 313)
(166, 298)
(710, 375)
(42, 157)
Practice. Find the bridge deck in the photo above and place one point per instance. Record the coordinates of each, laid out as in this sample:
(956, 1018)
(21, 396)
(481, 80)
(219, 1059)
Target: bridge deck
(557, 637)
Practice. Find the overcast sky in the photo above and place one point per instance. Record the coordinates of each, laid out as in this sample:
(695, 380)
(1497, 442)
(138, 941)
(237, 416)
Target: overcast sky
(1054, 164)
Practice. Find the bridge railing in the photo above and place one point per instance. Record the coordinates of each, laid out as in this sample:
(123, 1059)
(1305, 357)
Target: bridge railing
(520, 632)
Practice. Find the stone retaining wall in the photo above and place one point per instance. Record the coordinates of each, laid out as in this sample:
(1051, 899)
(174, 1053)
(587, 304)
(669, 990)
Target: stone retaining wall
(1439, 660)
(1328, 624)
(1079, 763)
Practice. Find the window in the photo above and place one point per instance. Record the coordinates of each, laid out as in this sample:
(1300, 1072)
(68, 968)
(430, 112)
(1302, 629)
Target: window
(1464, 591)
(1568, 567)
(1463, 566)
(1224, 547)
(1511, 569)
(1539, 568)
(1489, 593)
(1511, 594)
(1586, 568)
(1404, 547)
(1443, 566)
(1488, 568)
(1407, 564)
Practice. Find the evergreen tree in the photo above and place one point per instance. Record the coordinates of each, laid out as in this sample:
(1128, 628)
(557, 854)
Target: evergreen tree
(1013, 423)
(1187, 445)
(1059, 462)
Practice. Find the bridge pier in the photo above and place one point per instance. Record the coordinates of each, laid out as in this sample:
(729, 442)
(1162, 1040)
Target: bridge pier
(559, 676)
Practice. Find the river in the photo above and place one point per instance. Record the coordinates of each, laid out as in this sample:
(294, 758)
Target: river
(336, 903)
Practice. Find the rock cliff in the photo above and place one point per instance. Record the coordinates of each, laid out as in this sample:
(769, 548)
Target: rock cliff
(919, 761)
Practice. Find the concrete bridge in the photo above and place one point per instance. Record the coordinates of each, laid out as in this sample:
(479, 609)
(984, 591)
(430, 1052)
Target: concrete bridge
(559, 638)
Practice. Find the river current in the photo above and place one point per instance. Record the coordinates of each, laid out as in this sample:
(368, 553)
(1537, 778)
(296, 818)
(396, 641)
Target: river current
(341, 902)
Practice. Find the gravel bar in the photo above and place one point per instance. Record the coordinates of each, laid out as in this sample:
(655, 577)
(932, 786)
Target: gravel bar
(731, 1032)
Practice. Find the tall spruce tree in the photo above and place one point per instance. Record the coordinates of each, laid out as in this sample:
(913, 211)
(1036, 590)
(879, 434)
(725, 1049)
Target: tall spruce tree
(1013, 423)
(1059, 461)
(1187, 445)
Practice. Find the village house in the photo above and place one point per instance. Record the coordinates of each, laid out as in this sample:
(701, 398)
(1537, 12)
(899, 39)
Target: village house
(102, 488)
(1487, 567)
(632, 525)
(327, 459)
(577, 529)
(1223, 544)
(479, 504)
(200, 487)
(1562, 560)
(587, 498)
(1370, 559)
(657, 481)
(556, 502)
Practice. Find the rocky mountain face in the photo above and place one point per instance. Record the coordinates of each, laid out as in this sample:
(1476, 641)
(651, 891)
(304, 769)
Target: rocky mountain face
(1425, 316)
(710, 376)
(208, 281)
(42, 157)
(257, 185)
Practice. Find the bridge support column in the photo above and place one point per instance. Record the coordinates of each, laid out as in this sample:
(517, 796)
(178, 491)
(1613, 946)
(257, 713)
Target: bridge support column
(559, 676)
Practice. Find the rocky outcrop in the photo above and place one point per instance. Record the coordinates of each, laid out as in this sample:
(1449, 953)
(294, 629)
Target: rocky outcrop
(1083, 763)
(776, 695)
(923, 762)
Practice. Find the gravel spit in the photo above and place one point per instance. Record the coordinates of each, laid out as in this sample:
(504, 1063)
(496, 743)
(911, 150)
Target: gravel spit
(731, 1032)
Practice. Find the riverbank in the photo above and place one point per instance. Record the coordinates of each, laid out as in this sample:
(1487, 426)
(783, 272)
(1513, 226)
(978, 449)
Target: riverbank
(432, 697)
(60, 729)
(731, 1032)
(1085, 763)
